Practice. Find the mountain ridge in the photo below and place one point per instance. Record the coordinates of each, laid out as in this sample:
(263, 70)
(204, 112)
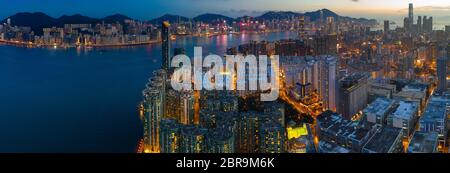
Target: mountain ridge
(38, 20)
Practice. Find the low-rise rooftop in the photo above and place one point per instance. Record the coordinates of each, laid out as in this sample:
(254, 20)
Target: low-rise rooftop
(380, 106)
(383, 140)
(406, 110)
(423, 142)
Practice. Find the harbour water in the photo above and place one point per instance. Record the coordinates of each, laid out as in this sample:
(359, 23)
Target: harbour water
(83, 101)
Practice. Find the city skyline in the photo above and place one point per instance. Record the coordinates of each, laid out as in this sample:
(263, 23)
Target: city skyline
(311, 81)
(191, 8)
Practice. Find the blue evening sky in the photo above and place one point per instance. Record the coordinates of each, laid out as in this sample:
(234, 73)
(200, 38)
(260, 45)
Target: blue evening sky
(146, 9)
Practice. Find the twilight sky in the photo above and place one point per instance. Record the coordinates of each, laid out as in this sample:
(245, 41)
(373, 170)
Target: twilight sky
(146, 9)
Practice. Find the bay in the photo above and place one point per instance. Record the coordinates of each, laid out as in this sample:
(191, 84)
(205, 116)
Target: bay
(85, 101)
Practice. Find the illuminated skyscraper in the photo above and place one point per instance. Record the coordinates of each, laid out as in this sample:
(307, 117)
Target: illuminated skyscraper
(248, 137)
(321, 19)
(220, 140)
(169, 136)
(411, 13)
(187, 108)
(276, 111)
(225, 101)
(272, 137)
(165, 33)
(331, 26)
(408, 22)
(181, 104)
(302, 32)
(328, 82)
(193, 139)
(154, 108)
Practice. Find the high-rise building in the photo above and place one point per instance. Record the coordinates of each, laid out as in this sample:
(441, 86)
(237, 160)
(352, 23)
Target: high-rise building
(448, 53)
(165, 34)
(353, 94)
(331, 25)
(187, 108)
(169, 136)
(272, 137)
(181, 104)
(411, 13)
(302, 31)
(321, 19)
(276, 111)
(386, 26)
(408, 22)
(225, 101)
(419, 24)
(220, 140)
(8, 21)
(248, 128)
(193, 139)
(325, 44)
(427, 24)
(442, 73)
(328, 82)
(154, 108)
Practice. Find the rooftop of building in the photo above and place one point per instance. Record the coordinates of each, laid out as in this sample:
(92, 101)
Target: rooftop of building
(406, 110)
(382, 85)
(271, 125)
(423, 142)
(436, 110)
(326, 147)
(191, 130)
(443, 97)
(361, 130)
(334, 123)
(380, 106)
(383, 140)
(350, 81)
(328, 118)
(410, 94)
(171, 124)
(416, 87)
(380, 92)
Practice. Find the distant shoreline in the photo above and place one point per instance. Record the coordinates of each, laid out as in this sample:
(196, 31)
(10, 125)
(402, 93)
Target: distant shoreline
(34, 45)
